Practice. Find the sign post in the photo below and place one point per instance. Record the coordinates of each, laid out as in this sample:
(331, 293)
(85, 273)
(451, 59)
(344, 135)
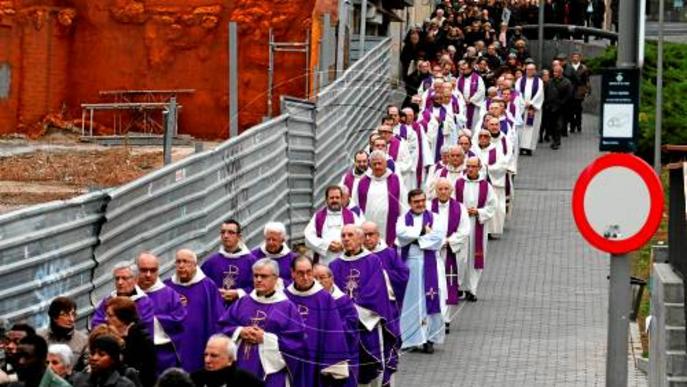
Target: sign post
(619, 109)
(617, 204)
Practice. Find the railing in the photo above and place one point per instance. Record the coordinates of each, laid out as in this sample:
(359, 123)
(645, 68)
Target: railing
(277, 170)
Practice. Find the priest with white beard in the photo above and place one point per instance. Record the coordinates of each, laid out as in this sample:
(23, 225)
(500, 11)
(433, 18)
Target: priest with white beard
(492, 155)
(477, 195)
(531, 87)
(323, 232)
(379, 195)
(451, 216)
(452, 171)
(420, 237)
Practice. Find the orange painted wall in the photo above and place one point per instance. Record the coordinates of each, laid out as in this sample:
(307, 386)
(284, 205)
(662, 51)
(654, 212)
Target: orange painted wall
(62, 53)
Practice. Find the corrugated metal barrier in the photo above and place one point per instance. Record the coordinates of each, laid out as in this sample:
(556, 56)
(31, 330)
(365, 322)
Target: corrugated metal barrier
(274, 171)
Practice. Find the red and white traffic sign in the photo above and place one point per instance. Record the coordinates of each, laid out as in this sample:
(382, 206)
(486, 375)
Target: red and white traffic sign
(617, 203)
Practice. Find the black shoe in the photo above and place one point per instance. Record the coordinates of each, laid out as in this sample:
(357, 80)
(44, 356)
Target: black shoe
(461, 295)
(470, 297)
(541, 140)
(526, 152)
(448, 328)
(547, 138)
(428, 347)
(555, 146)
(564, 134)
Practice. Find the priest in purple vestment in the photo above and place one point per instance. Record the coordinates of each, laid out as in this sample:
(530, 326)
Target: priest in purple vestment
(395, 270)
(125, 276)
(327, 354)
(360, 274)
(170, 313)
(268, 329)
(349, 319)
(275, 247)
(230, 267)
(204, 305)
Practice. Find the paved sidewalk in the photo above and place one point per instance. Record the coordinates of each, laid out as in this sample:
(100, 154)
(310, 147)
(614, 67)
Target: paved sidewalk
(542, 310)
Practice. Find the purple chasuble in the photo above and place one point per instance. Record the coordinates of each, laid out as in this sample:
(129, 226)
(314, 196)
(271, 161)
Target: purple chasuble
(397, 270)
(144, 307)
(170, 313)
(440, 134)
(363, 281)
(204, 306)
(451, 265)
(280, 318)
(393, 186)
(325, 340)
(349, 319)
(474, 85)
(284, 263)
(230, 273)
(429, 268)
(479, 228)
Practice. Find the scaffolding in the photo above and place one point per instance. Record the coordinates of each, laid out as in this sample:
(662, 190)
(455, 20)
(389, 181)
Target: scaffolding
(303, 47)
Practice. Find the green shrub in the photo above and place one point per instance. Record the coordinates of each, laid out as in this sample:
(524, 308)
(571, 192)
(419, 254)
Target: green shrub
(674, 94)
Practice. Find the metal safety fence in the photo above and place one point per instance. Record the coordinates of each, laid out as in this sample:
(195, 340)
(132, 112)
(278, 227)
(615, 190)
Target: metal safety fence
(277, 170)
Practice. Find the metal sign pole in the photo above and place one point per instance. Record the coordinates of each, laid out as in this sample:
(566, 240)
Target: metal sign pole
(233, 81)
(659, 91)
(540, 36)
(619, 305)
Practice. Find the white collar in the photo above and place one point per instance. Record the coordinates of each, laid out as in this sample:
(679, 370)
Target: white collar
(364, 253)
(284, 250)
(305, 293)
(336, 292)
(158, 285)
(278, 296)
(243, 250)
(138, 293)
(199, 276)
(444, 204)
(334, 213)
(386, 175)
(381, 245)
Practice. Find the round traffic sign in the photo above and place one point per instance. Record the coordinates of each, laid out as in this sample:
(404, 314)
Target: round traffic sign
(617, 203)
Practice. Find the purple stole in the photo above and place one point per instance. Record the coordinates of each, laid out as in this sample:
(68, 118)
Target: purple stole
(455, 105)
(474, 85)
(504, 126)
(403, 131)
(427, 82)
(418, 169)
(511, 108)
(321, 217)
(349, 179)
(393, 187)
(451, 265)
(443, 172)
(391, 165)
(394, 144)
(440, 134)
(429, 265)
(535, 89)
(471, 154)
(429, 101)
(479, 228)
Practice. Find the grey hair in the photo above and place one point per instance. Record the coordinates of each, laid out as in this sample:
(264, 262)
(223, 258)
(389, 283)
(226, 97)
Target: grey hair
(126, 265)
(377, 154)
(445, 149)
(457, 147)
(266, 262)
(277, 227)
(231, 347)
(326, 268)
(344, 189)
(442, 180)
(64, 353)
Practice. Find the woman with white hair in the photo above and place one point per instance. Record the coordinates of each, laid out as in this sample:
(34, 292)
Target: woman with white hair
(61, 360)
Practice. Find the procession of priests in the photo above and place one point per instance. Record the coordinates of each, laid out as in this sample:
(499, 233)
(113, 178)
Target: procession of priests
(399, 243)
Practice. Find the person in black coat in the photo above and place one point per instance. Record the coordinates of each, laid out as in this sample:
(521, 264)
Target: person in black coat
(558, 92)
(105, 365)
(220, 369)
(139, 350)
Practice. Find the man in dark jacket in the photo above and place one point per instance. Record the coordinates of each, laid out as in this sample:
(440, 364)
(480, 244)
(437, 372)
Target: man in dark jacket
(558, 92)
(220, 369)
(578, 74)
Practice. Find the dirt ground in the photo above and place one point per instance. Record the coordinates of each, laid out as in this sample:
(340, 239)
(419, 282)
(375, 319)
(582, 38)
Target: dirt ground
(60, 167)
